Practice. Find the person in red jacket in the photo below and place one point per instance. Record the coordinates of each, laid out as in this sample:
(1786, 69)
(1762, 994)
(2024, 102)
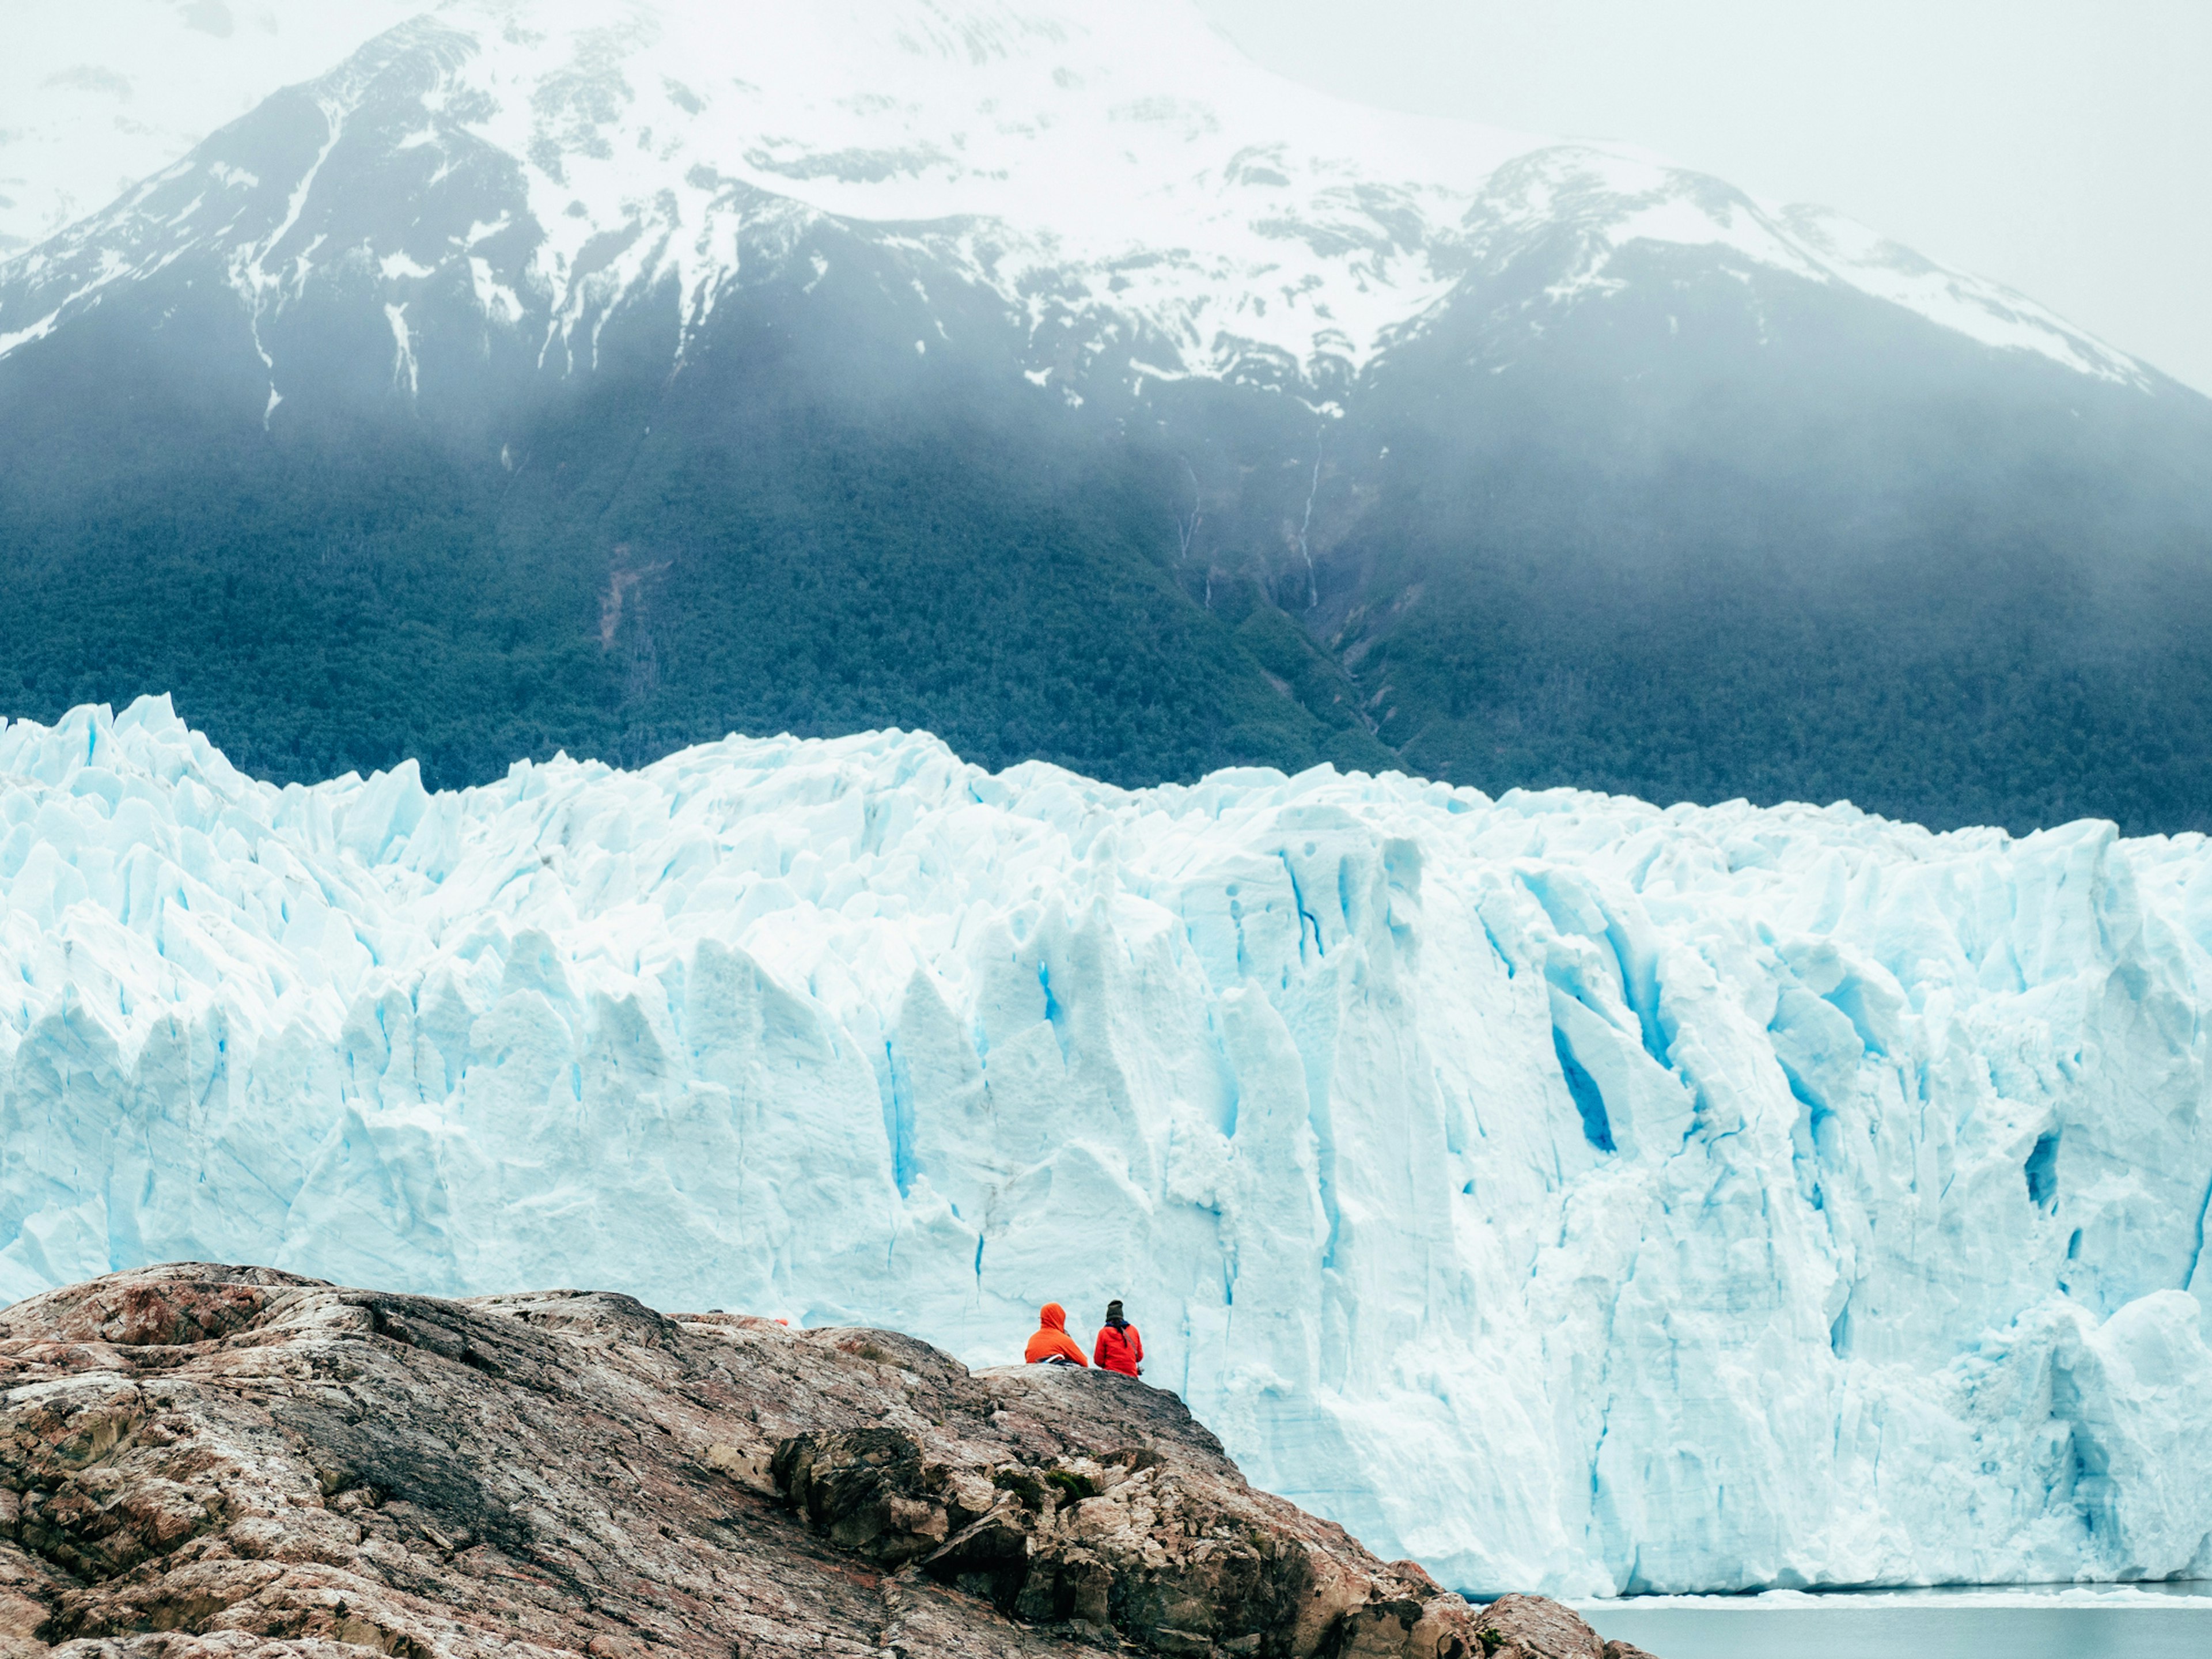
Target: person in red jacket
(1052, 1345)
(1119, 1348)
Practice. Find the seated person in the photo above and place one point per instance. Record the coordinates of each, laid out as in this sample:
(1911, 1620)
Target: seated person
(1052, 1346)
(1119, 1347)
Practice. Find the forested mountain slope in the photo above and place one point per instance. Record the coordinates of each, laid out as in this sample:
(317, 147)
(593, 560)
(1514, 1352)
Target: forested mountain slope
(1052, 379)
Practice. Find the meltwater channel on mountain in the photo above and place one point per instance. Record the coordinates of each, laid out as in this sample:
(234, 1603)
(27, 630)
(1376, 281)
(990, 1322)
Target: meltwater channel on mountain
(1553, 1188)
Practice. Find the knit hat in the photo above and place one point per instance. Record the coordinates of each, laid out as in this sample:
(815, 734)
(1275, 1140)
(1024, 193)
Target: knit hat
(1114, 1314)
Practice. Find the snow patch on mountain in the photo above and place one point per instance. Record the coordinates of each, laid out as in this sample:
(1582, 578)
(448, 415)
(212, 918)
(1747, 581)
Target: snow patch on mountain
(1607, 199)
(1553, 1189)
(1080, 163)
(1144, 200)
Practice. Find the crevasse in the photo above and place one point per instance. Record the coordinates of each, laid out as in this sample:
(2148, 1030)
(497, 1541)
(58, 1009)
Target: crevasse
(1562, 1191)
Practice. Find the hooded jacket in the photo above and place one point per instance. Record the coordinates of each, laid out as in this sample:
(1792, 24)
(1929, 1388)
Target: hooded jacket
(1052, 1341)
(1120, 1348)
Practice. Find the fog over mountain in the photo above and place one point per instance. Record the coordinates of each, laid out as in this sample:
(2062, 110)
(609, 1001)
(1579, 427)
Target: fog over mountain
(2052, 144)
(97, 93)
(1057, 380)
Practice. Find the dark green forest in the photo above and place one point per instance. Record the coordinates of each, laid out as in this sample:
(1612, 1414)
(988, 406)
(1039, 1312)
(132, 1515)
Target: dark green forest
(1950, 590)
(345, 629)
(1816, 551)
(353, 591)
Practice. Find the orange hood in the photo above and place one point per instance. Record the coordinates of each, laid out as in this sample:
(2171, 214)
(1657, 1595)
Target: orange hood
(1053, 1316)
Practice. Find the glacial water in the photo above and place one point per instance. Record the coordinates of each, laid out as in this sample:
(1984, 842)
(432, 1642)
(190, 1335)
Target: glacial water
(2155, 1621)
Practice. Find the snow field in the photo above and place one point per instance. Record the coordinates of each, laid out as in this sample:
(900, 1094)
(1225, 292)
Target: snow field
(1142, 198)
(1564, 1192)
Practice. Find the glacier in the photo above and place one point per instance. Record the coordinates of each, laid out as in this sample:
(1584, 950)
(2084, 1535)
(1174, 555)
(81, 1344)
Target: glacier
(1564, 1192)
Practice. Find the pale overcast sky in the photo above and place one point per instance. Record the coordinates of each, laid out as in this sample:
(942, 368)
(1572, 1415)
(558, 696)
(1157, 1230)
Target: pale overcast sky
(2063, 146)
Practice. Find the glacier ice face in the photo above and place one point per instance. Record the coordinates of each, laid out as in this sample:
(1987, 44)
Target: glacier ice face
(1562, 1191)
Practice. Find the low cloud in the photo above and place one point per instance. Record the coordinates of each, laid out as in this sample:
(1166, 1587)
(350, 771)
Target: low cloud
(210, 17)
(88, 77)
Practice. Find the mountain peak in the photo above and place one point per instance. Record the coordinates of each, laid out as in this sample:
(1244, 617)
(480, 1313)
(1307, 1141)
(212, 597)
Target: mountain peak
(1124, 174)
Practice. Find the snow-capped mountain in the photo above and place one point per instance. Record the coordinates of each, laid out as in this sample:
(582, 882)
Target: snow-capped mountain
(1122, 173)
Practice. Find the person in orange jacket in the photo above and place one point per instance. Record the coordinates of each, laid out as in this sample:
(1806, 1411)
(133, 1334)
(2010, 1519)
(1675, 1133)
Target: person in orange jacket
(1120, 1348)
(1052, 1346)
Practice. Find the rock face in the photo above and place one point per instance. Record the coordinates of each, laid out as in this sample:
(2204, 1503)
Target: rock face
(203, 1461)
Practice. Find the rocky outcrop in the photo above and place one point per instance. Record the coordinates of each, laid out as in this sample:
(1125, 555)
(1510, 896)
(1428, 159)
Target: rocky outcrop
(198, 1463)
